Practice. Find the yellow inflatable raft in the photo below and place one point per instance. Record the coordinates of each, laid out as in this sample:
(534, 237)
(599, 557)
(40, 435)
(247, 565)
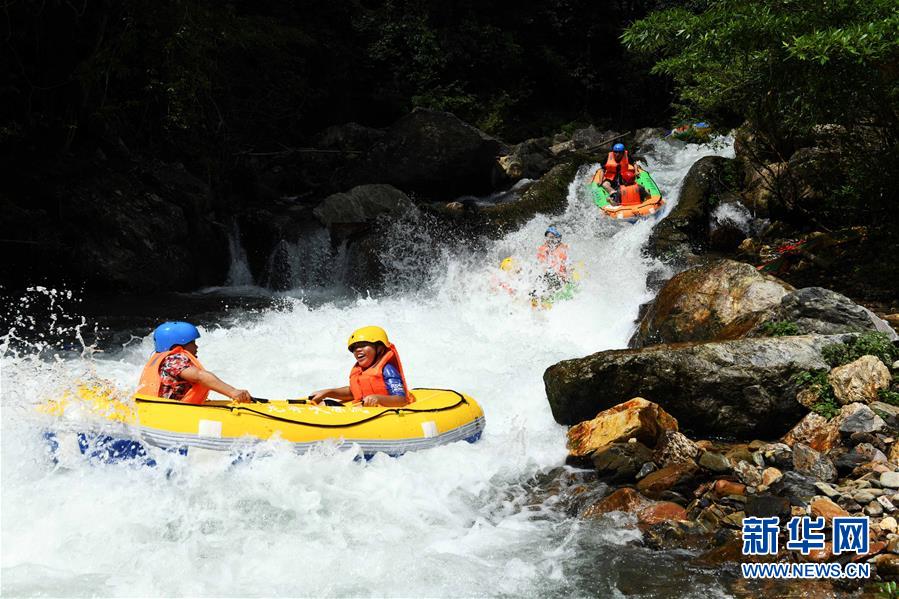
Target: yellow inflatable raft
(437, 417)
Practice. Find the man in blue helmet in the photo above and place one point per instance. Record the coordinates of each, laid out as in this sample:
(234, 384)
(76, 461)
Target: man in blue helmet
(173, 371)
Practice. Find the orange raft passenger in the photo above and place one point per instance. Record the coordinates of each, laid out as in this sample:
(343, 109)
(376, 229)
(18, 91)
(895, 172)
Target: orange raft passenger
(173, 371)
(377, 378)
(617, 163)
(553, 253)
(630, 193)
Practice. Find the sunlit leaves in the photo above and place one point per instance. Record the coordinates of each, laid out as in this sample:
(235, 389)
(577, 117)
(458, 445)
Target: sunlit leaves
(786, 65)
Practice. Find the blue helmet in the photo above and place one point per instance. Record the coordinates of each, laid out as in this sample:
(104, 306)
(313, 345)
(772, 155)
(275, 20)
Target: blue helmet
(618, 147)
(170, 334)
(552, 230)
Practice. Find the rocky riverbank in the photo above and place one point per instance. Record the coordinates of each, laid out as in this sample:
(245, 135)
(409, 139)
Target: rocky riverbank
(741, 397)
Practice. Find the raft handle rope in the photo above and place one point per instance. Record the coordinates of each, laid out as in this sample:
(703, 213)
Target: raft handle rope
(327, 402)
(396, 411)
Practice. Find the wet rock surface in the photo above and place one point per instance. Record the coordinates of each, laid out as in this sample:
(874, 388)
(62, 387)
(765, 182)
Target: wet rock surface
(685, 231)
(697, 304)
(744, 387)
(432, 153)
(636, 419)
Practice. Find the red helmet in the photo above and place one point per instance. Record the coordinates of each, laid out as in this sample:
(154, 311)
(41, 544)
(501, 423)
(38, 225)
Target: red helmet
(628, 177)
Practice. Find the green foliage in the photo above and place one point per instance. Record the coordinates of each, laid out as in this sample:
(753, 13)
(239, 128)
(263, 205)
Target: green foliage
(866, 344)
(887, 590)
(889, 396)
(776, 328)
(786, 66)
(826, 405)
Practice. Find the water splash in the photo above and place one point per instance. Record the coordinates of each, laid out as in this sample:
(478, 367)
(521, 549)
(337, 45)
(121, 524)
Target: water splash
(239, 273)
(456, 520)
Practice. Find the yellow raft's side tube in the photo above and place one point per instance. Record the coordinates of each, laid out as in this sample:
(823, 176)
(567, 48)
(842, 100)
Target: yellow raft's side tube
(437, 417)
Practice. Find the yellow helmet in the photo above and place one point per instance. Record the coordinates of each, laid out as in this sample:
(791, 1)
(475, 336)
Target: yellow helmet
(369, 334)
(508, 264)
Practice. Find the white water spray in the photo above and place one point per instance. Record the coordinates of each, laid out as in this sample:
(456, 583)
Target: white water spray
(459, 520)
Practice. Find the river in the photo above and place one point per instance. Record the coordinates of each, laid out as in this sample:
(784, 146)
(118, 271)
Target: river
(459, 520)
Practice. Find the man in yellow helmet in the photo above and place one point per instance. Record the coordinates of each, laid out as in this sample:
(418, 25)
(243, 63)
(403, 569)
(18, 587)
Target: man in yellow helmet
(377, 378)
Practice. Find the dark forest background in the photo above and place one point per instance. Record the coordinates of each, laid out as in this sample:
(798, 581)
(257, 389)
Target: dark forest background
(199, 79)
(111, 110)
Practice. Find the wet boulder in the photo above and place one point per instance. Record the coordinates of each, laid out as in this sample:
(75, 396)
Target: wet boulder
(549, 196)
(151, 229)
(816, 432)
(620, 461)
(743, 388)
(629, 501)
(529, 159)
(822, 311)
(685, 231)
(674, 477)
(860, 380)
(357, 218)
(698, 304)
(635, 419)
(356, 210)
(434, 154)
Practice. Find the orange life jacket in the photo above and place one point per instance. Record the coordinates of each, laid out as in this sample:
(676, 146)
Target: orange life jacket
(613, 168)
(556, 258)
(150, 380)
(629, 195)
(371, 380)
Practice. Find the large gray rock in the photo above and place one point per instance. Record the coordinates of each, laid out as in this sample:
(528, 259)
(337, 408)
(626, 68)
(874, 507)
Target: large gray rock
(359, 207)
(530, 159)
(686, 229)
(434, 154)
(152, 229)
(698, 304)
(743, 388)
(822, 311)
(549, 195)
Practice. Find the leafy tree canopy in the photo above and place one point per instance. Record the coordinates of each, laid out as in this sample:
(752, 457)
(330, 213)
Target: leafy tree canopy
(785, 65)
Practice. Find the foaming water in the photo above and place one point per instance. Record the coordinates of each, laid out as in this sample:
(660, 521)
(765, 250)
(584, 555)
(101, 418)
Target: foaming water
(458, 520)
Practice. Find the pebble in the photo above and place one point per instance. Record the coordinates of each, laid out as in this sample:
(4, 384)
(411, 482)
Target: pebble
(886, 504)
(893, 545)
(645, 470)
(714, 461)
(873, 509)
(863, 497)
(823, 487)
(889, 524)
(890, 479)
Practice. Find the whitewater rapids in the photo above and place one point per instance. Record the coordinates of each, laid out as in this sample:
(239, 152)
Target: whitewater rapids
(459, 520)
